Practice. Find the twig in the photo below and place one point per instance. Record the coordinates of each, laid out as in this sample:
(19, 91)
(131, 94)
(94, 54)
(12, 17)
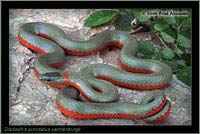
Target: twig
(16, 103)
(135, 30)
(178, 31)
(164, 44)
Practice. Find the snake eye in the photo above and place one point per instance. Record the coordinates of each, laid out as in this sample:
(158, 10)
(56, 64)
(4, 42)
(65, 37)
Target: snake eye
(42, 78)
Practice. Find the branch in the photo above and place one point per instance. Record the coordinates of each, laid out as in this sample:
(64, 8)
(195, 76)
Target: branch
(135, 30)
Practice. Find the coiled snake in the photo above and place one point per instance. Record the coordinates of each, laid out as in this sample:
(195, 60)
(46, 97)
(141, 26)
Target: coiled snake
(95, 82)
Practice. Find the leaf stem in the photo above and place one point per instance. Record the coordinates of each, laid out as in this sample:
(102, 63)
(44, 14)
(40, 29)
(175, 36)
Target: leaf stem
(178, 31)
(161, 40)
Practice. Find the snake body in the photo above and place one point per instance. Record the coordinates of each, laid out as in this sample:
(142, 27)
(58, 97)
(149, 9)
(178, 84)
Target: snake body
(95, 82)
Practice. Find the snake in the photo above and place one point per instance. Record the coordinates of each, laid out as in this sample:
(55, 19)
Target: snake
(96, 83)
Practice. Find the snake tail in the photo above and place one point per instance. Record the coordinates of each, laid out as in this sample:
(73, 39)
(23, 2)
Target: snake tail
(114, 110)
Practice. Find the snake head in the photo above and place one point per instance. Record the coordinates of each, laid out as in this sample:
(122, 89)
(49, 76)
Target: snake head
(52, 77)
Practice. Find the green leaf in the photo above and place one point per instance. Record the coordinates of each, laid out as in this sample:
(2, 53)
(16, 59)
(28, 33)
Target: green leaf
(178, 20)
(159, 21)
(167, 53)
(174, 66)
(181, 63)
(168, 35)
(184, 75)
(178, 51)
(160, 27)
(172, 20)
(185, 33)
(152, 29)
(159, 46)
(123, 22)
(141, 17)
(157, 56)
(184, 38)
(100, 17)
(146, 47)
(187, 58)
(186, 22)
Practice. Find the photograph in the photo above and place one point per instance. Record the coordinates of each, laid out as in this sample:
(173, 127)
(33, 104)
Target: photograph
(75, 68)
